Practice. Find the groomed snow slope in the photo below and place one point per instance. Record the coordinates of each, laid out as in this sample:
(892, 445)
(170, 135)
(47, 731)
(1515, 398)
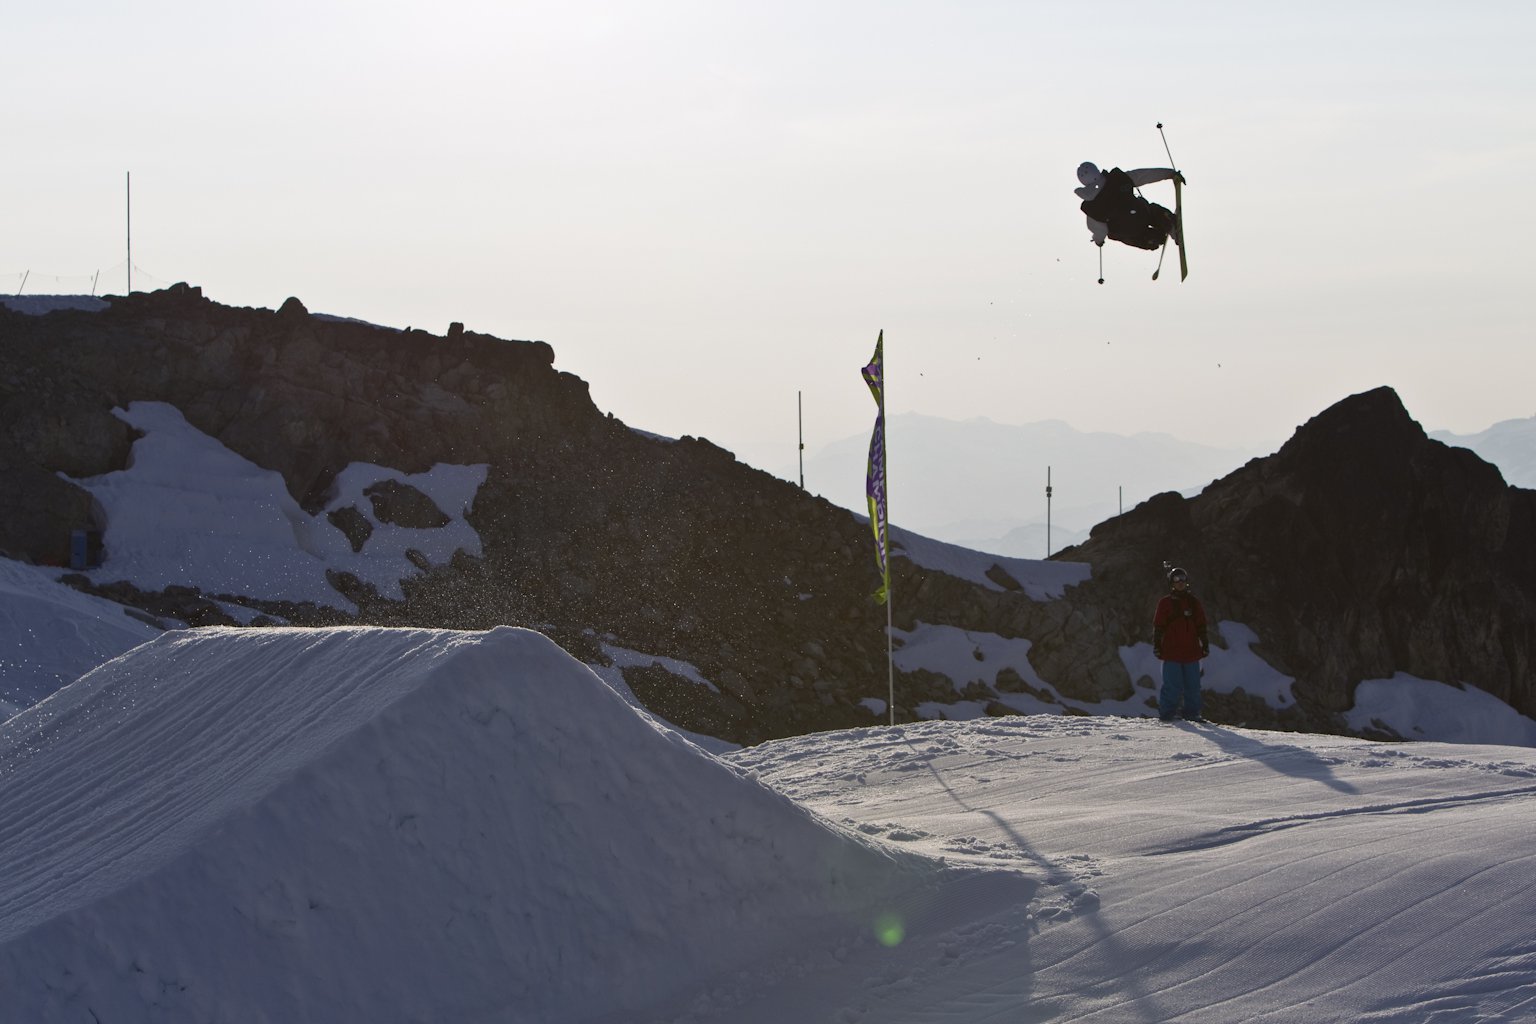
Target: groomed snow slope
(1190, 874)
(394, 825)
(429, 826)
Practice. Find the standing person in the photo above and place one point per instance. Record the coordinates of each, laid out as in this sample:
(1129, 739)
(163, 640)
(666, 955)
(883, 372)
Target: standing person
(1179, 642)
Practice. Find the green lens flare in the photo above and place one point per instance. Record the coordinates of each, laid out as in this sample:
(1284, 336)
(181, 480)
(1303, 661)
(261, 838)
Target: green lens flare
(889, 930)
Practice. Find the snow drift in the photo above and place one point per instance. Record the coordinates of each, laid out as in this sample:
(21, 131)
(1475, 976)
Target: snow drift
(401, 825)
(50, 635)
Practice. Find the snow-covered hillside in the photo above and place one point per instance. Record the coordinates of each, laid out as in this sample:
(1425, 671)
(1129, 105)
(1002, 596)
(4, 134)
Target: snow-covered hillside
(188, 511)
(417, 825)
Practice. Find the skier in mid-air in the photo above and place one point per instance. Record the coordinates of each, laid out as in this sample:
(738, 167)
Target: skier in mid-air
(1114, 209)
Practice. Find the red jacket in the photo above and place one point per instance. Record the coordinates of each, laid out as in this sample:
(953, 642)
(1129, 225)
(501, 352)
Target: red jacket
(1178, 628)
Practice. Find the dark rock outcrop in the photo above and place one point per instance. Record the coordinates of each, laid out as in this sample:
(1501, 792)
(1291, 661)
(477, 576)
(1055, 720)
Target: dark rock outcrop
(403, 505)
(356, 526)
(1361, 549)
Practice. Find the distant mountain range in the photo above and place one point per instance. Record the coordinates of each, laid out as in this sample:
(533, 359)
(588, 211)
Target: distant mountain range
(982, 484)
(1509, 444)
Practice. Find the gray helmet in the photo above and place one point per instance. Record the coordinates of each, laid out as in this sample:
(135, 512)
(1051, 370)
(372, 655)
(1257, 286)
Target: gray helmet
(1177, 576)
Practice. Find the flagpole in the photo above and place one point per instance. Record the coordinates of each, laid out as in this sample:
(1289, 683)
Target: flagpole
(879, 514)
(890, 659)
(800, 428)
(890, 655)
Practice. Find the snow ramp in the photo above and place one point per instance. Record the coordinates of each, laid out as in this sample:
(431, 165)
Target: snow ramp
(362, 824)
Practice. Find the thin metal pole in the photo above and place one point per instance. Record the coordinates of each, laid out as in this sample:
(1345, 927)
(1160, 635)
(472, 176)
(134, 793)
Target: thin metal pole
(1122, 499)
(1047, 511)
(800, 418)
(94, 278)
(890, 654)
(890, 600)
(23, 284)
(1171, 162)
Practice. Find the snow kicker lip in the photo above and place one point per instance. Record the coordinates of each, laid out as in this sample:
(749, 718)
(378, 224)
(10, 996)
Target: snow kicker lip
(401, 823)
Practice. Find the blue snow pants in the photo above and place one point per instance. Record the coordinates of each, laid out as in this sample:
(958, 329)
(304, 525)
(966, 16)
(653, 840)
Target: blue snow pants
(1181, 687)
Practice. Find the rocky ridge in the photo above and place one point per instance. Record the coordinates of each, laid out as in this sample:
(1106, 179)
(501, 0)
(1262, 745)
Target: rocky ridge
(1361, 548)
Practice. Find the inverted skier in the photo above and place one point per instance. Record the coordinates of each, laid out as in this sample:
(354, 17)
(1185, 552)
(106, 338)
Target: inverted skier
(1115, 210)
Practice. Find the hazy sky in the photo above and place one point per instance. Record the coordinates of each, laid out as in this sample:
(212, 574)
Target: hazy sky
(706, 207)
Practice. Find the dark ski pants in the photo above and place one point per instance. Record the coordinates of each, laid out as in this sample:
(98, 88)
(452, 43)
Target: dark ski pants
(1181, 686)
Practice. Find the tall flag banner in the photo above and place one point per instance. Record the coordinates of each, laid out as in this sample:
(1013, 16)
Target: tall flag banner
(874, 479)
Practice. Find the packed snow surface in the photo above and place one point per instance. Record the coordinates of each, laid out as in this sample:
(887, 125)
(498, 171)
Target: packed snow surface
(1185, 873)
(426, 825)
(391, 825)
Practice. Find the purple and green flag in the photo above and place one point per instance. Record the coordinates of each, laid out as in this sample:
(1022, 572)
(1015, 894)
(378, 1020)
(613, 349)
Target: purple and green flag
(874, 479)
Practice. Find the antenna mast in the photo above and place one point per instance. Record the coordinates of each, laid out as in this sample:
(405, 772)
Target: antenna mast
(1047, 511)
(800, 420)
(130, 232)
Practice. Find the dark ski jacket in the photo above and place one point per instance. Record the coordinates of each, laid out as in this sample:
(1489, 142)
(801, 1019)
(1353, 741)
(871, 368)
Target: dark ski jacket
(1178, 628)
(1130, 218)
